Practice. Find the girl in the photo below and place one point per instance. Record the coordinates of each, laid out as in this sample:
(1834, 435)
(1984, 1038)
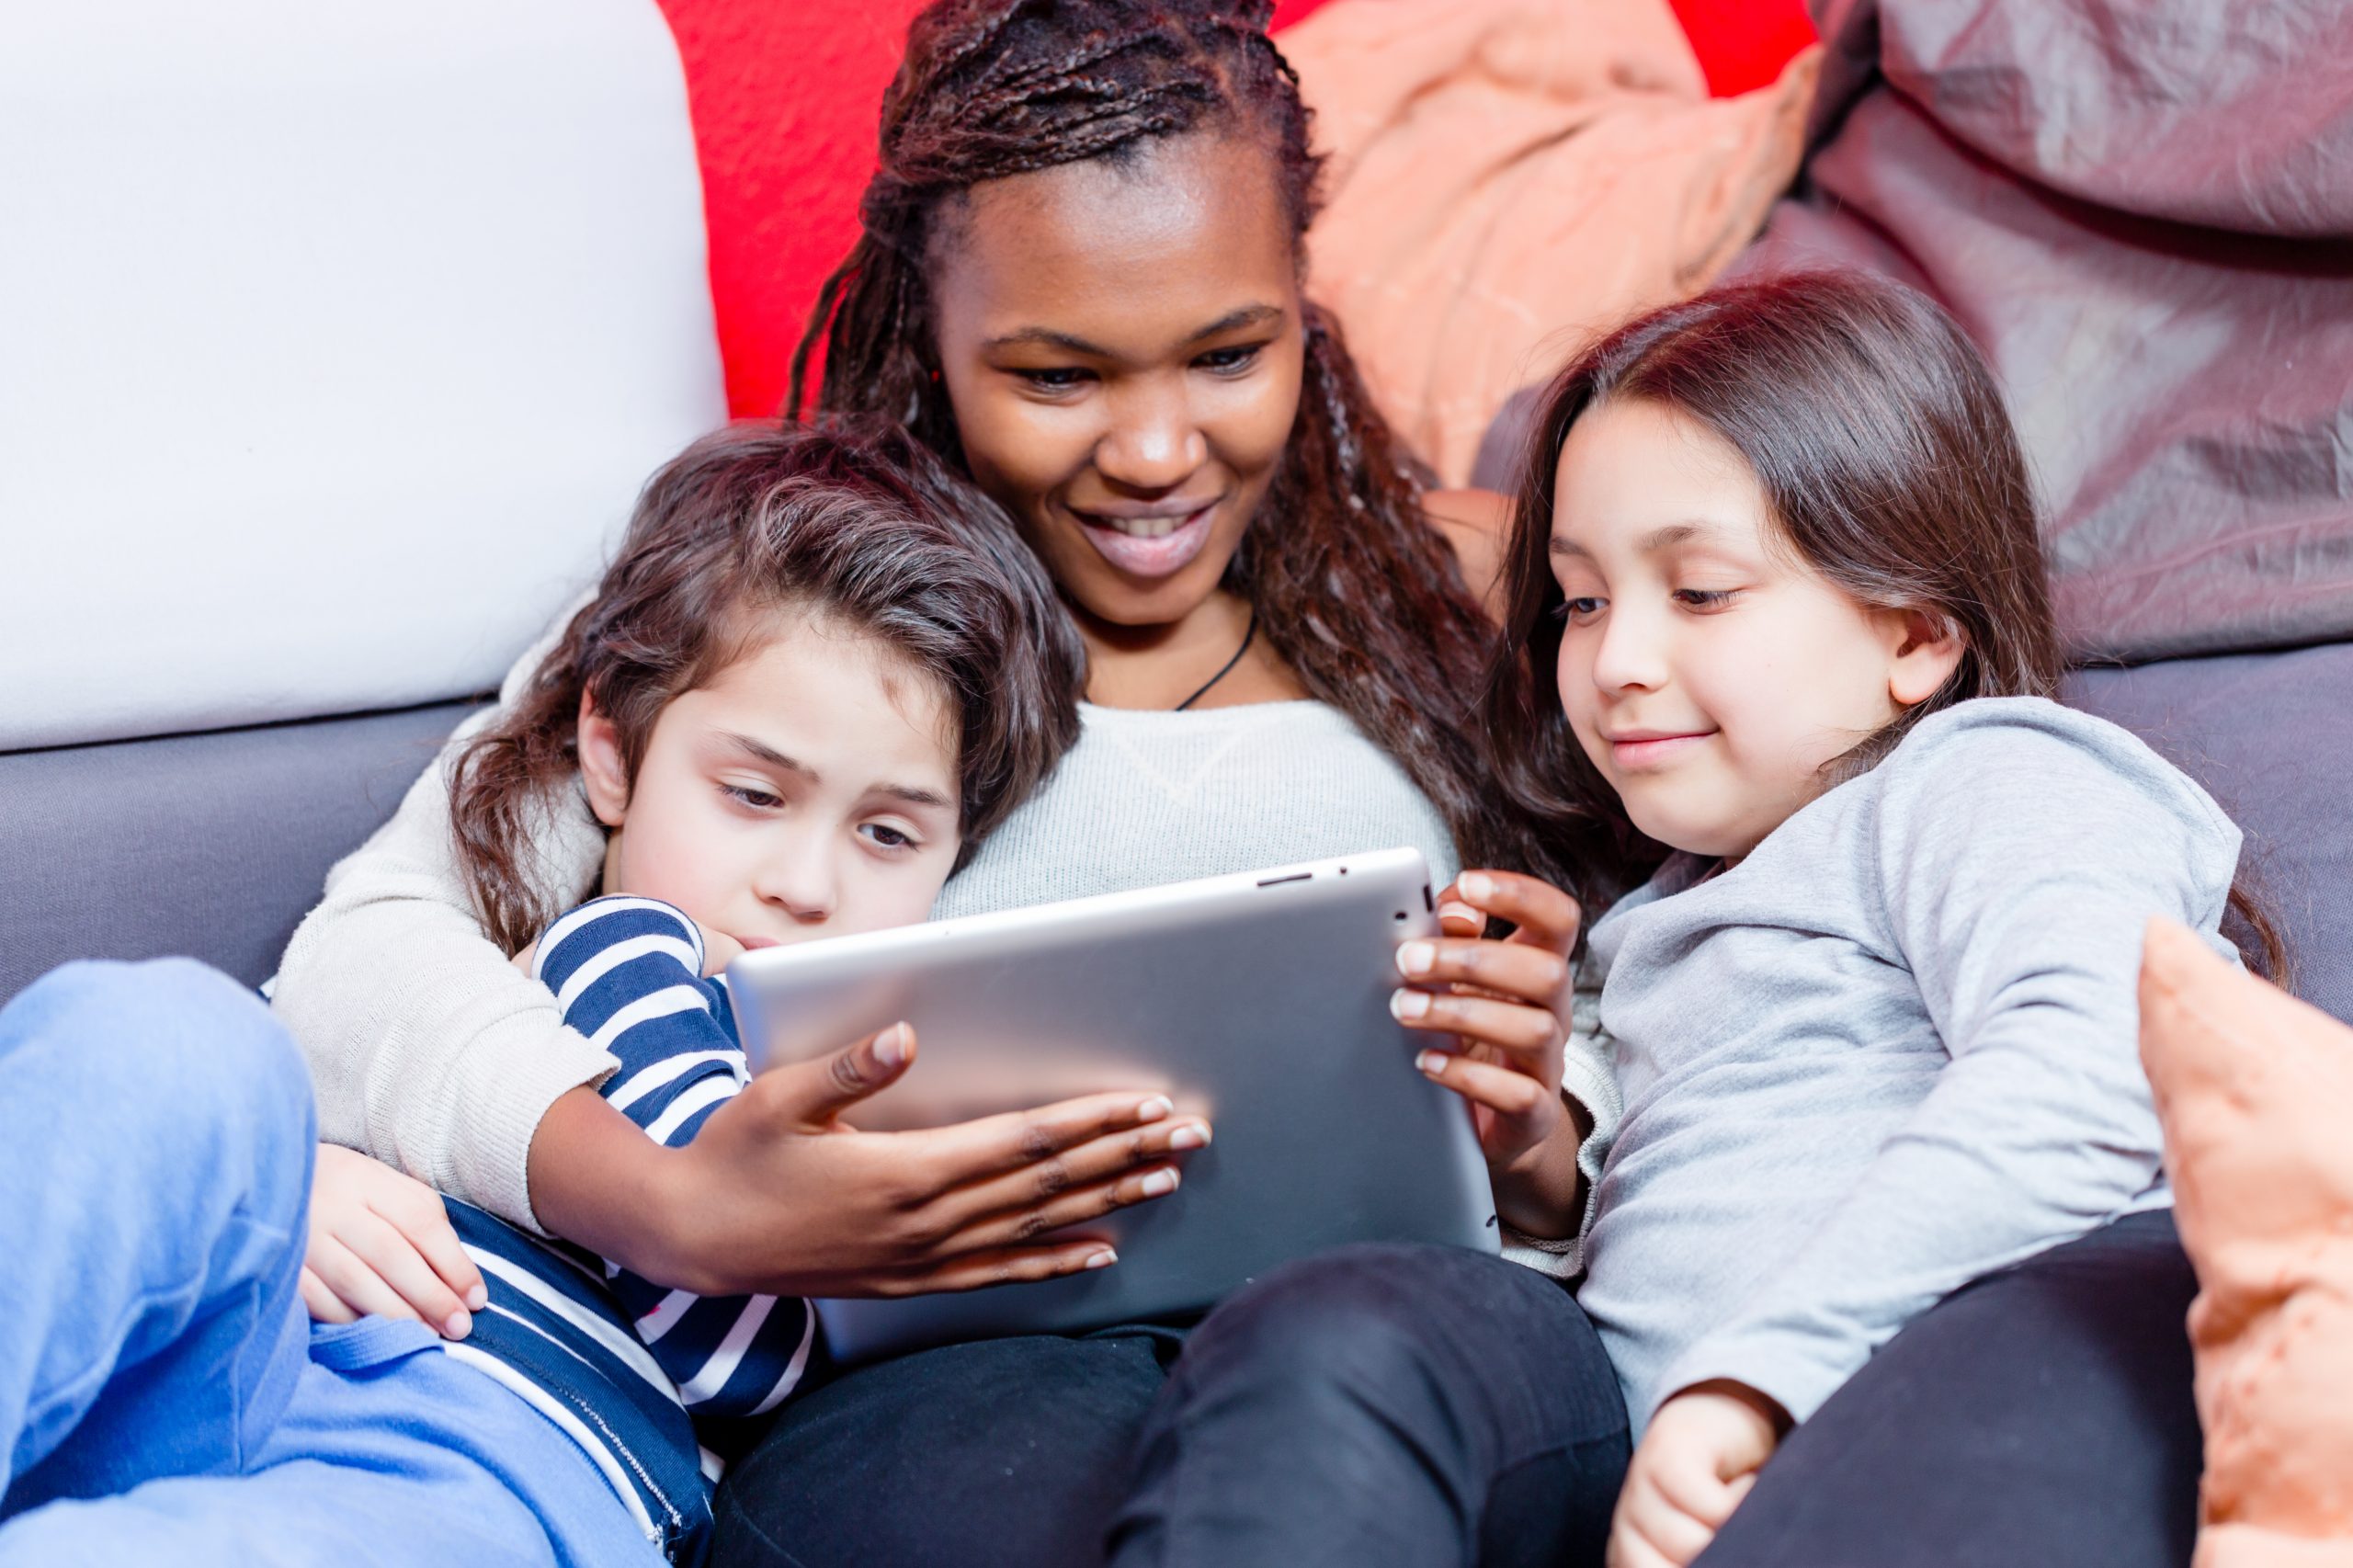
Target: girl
(818, 672)
(1777, 603)
(1079, 282)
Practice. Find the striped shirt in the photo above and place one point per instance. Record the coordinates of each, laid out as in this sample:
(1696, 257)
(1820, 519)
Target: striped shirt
(647, 1380)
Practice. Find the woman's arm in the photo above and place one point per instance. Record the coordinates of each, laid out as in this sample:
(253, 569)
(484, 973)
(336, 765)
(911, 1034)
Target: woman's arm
(426, 1049)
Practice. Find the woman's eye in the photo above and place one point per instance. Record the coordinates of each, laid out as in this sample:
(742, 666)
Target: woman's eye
(758, 799)
(1060, 378)
(1230, 361)
(889, 837)
(1706, 598)
(1584, 608)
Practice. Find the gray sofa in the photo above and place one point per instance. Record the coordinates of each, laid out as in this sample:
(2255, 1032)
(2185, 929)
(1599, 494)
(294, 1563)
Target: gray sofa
(214, 845)
(210, 845)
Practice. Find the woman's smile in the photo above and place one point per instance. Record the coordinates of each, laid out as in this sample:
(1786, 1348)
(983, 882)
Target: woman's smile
(1157, 538)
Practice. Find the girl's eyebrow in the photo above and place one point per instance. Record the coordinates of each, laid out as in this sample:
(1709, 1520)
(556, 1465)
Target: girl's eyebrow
(1046, 337)
(1651, 544)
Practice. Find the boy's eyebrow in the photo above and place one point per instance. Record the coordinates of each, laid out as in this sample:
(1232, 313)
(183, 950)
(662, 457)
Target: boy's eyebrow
(760, 751)
(913, 795)
(1232, 321)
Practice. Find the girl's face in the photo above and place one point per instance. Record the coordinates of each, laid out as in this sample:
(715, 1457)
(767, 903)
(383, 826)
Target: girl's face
(810, 791)
(1122, 346)
(1709, 673)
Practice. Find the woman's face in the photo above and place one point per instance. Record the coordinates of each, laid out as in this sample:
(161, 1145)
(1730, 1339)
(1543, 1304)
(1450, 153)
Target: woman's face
(1122, 345)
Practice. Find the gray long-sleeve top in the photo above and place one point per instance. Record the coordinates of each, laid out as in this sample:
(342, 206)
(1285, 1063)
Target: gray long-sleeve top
(1893, 1050)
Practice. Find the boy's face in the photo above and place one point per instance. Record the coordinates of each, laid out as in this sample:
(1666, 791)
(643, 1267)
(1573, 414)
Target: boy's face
(810, 791)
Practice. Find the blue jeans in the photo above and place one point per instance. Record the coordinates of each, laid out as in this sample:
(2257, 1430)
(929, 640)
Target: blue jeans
(163, 1396)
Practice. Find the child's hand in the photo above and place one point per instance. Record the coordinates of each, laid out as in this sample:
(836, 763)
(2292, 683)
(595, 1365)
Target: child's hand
(381, 1243)
(1506, 1003)
(1696, 1461)
(718, 950)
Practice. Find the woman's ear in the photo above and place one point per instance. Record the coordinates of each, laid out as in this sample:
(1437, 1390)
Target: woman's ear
(1927, 649)
(601, 767)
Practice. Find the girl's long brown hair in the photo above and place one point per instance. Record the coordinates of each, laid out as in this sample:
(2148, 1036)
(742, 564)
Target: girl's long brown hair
(852, 519)
(1351, 584)
(1890, 465)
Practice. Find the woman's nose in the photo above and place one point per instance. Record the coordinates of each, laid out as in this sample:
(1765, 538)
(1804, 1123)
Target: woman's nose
(1153, 443)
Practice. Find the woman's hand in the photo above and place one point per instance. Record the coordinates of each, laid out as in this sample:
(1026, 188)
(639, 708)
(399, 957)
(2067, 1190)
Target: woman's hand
(381, 1243)
(776, 1194)
(1501, 1008)
(1697, 1460)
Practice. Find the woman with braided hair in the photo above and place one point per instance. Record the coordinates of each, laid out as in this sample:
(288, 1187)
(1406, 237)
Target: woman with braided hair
(1079, 287)
(1079, 278)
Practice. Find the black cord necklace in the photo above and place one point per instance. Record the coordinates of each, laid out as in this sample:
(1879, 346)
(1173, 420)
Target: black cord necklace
(1225, 669)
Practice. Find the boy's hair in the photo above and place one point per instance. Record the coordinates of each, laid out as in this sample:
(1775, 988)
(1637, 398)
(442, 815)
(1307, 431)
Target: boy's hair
(1889, 466)
(851, 519)
(1350, 584)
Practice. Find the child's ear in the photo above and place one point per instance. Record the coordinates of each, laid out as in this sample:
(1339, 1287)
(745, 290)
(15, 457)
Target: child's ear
(1925, 649)
(601, 767)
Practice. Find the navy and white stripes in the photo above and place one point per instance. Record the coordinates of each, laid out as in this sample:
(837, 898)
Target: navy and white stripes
(624, 1365)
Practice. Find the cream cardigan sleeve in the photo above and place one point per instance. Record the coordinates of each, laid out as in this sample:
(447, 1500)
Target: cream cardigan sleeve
(427, 1049)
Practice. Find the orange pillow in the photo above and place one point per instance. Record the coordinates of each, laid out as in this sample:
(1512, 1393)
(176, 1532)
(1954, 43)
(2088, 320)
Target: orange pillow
(2256, 1090)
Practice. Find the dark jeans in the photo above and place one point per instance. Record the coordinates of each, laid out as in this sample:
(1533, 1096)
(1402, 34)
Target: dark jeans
(1371, 1407)
(2041, 1414)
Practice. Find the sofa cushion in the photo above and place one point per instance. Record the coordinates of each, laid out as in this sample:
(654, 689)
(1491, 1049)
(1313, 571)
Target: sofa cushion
(2253, 1087)
(212, 845)
(2267, 735)
(338, 339)
(2140, 213)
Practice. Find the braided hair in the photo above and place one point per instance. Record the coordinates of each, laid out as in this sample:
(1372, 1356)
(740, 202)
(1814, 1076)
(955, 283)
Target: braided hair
(1357, 593)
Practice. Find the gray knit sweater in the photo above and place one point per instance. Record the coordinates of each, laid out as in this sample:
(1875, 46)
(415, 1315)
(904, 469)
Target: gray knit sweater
(1892, 1051)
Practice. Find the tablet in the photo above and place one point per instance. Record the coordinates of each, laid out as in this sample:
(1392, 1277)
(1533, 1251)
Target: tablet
(1258, 1000)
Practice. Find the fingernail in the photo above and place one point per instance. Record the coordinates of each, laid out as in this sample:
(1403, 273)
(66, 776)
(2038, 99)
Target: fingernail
(458, 1328)
(1154, 1108)
(1103, 1259)
(1476, 886)
(1160, 1184)
(891, 1046)
(1433, 1063)
(1415, 958)
(1189, 1137)
(478, 1298)
(1408, 1005)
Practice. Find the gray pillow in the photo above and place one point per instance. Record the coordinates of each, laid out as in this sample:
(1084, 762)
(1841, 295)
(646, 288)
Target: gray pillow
(2269, 735)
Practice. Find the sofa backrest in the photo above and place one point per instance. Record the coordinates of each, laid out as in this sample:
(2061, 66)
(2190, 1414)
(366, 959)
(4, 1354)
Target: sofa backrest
(334, 343)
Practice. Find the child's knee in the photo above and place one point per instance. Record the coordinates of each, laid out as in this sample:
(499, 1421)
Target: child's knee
(172, 1036)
